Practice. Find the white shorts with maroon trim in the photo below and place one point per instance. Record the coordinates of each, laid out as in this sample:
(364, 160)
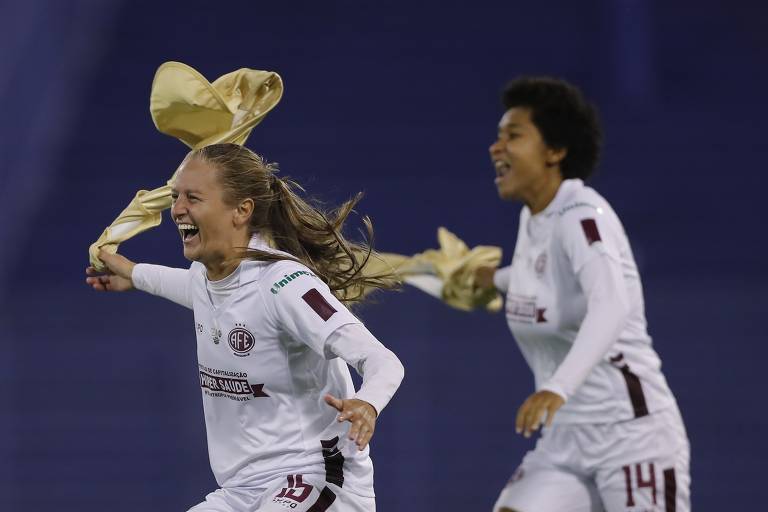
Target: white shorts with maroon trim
(639, 465)
(298, 493)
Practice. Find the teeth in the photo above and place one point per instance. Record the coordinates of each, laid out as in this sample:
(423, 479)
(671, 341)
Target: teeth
(502, 168)
(187, 226)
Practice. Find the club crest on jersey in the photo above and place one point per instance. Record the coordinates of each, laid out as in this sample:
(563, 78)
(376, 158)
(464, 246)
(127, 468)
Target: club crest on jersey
(241, 340)
(541, 264)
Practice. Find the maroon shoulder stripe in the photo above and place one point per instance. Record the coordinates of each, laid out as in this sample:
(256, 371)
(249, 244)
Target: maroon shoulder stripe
(670, 490)
(325, 500)
(318, 303)
(590, 230)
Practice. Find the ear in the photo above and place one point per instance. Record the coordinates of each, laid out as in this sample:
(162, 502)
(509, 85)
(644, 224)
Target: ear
(555, 156)
(243, 212)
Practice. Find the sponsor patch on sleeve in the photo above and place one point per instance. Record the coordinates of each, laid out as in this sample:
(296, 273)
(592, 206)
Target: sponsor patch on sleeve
(590, 230)
(317, 302)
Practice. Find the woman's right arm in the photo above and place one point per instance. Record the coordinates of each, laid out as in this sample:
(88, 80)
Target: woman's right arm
(493, 277)
(169, 283)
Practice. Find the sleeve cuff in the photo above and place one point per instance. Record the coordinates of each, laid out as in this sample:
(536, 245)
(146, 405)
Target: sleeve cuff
(555, 388)
(378, 402)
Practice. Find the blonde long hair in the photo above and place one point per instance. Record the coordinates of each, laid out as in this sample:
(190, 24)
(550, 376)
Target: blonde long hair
(313, 236)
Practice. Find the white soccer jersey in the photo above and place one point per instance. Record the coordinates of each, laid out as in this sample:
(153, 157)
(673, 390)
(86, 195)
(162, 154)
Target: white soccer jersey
(267, 356)
(263, 374)
(546, 307)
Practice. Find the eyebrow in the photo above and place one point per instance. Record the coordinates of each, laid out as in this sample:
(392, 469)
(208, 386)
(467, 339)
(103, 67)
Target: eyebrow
(190, 191)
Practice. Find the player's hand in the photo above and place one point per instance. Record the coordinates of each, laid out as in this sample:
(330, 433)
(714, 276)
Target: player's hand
(531, 413)
(117, 278)
(361, 414)
(484, 277)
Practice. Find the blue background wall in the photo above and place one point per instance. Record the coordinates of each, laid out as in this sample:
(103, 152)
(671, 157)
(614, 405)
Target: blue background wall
(99, 400)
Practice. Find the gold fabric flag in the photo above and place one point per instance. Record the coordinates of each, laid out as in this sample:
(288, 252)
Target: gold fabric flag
(186, 106)
(447, 273)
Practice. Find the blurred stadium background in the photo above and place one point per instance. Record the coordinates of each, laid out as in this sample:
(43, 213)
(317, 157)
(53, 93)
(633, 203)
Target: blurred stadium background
(99, 400)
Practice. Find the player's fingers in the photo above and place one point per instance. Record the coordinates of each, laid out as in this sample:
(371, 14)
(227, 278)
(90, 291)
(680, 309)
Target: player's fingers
(530, 416)
(365, 440)
(95, 283)
(354, 430)
(519, 420)
(551, 410)
(536, 418)
(361, 436)
(335, 403)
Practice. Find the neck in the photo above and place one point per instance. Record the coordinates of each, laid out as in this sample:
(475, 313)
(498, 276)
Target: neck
(221, 269)
(225, 264)
(542, 195)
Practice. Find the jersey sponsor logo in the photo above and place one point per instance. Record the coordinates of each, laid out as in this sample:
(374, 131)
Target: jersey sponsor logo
(590, 230)
(215, 335)
(319, 305)
(579, 204)
(241, 340)
(232, 385)
(525, 309)
(287, 278)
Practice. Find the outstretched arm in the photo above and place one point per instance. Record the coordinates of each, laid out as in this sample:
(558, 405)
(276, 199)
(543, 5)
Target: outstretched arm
(115, 278)
(122, 274)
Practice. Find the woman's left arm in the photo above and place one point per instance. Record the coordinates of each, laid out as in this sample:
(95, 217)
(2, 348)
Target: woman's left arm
(382, 373)
(607, 309)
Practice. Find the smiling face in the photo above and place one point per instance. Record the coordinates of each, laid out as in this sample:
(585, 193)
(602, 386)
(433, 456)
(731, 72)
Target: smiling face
(210, 228)
(526, 168)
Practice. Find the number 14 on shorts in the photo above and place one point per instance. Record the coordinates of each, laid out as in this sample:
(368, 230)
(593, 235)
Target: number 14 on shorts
(643, 488)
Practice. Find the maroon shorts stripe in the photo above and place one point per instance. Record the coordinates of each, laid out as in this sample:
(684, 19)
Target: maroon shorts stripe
(590, 230)
(334, 462)
(325, 500)
(636, 395)
(670, 490)
(318, 303)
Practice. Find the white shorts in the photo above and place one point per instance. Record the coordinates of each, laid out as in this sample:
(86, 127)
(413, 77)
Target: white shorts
(637, 465)
(298, 493)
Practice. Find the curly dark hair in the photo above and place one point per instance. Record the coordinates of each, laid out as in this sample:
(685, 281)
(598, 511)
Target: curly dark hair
(563, 117)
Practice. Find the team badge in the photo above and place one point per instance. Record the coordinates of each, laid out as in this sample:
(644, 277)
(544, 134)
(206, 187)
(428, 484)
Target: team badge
(241, 340)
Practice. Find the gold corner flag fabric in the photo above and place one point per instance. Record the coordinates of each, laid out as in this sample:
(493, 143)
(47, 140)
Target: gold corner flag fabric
(184, 105)
(447, 273)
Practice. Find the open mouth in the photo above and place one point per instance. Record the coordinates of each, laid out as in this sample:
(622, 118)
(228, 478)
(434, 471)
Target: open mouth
(502, 169)
(188, 231)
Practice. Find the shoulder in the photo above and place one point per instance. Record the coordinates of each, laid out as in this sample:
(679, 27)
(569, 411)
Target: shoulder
(197, 270)
(580, 200)
(588, 217)
(583, 203)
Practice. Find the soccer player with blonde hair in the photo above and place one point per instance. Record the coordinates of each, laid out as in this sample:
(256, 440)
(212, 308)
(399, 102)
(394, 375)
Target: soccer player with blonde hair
(269, 278)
